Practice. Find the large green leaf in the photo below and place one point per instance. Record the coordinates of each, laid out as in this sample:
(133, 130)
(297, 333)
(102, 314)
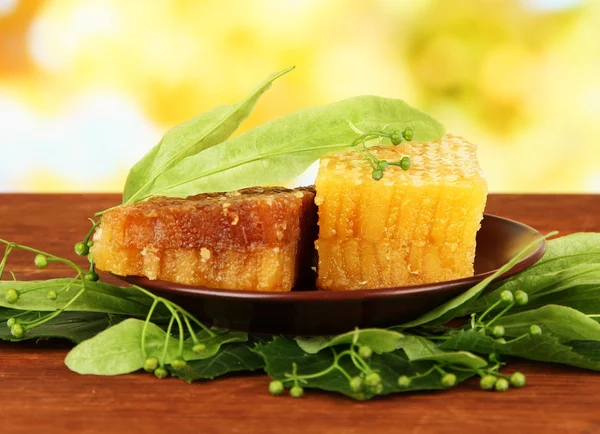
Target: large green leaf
(283, 148)
(74, 326)
(544, 348)
(98, 297)
(189, 138)
(118, 349)
(569, 261)
(280, 353)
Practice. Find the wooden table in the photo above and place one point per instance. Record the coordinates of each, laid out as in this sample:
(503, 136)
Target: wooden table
(39, 394)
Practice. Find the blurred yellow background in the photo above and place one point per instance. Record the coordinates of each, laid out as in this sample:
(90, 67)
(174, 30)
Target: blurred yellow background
(88, 86)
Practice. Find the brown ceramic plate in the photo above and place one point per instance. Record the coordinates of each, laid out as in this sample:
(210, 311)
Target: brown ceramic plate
(307, 311)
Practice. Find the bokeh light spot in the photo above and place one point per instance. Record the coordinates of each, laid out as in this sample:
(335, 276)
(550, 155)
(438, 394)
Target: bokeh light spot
(7, 6)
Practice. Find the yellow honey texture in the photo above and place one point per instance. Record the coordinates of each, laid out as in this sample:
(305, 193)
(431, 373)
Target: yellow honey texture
(409, 228)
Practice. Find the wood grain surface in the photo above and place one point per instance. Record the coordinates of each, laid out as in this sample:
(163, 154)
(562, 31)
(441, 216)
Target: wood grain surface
(39, 394)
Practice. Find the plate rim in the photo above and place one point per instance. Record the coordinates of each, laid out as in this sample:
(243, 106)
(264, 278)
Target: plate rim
(347, 295)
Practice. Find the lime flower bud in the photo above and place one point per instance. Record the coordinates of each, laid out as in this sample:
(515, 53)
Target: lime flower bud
(178, 364)
(408, 134)
(501, 385)
(405, 163)
(12, 295)
(498, 331)
(198, 348)
(517, 379)
(501, 340)
(275, 387)
(535, 330)
(51, 295)
(40, 261)
(365, 352)
(521, 297)
(150, 364)
(487, 382)
(161, 372)
(396, 138)
(377, 174)
(377, 389)
(404, 381)
(356, 384)
(81, 249)
(11, 321)
(448, 380)
(17, 330)
(372, 379)
(383, 164)
(296, 391)
(92, 276)
(507, 296)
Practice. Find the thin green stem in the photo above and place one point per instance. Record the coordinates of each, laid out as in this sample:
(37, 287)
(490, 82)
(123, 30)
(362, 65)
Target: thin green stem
(47, 318)
(502, 312)
(317, 374)
(193, 318)
(343, 371)
(179, 308)
(94, 226)
(358, 361)
(489, 309)
(22, 313)
(50, 256)
(179, 325)
(190, 329)
(148, 317)
(440, 370)
(166, 344)
(7, 251)
(517, 338)
(426, 373)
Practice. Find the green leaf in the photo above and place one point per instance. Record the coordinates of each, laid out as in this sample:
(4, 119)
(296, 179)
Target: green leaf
(418, 348)
(98, 297)
(190, 138)
(569, 261)
(380, 340)
(280, 353)
(543, 348)
(230, 358)
(114, 351)
(563, 322)
(283, 148)
(448, 310)
(118, 350)
(74, 326)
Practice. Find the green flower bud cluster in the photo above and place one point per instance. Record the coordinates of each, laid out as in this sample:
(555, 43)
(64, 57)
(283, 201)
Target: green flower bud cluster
(510, 299)
(502, 383)
(447, 379)
(368, 380)
(379, 166)
(82, 248)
